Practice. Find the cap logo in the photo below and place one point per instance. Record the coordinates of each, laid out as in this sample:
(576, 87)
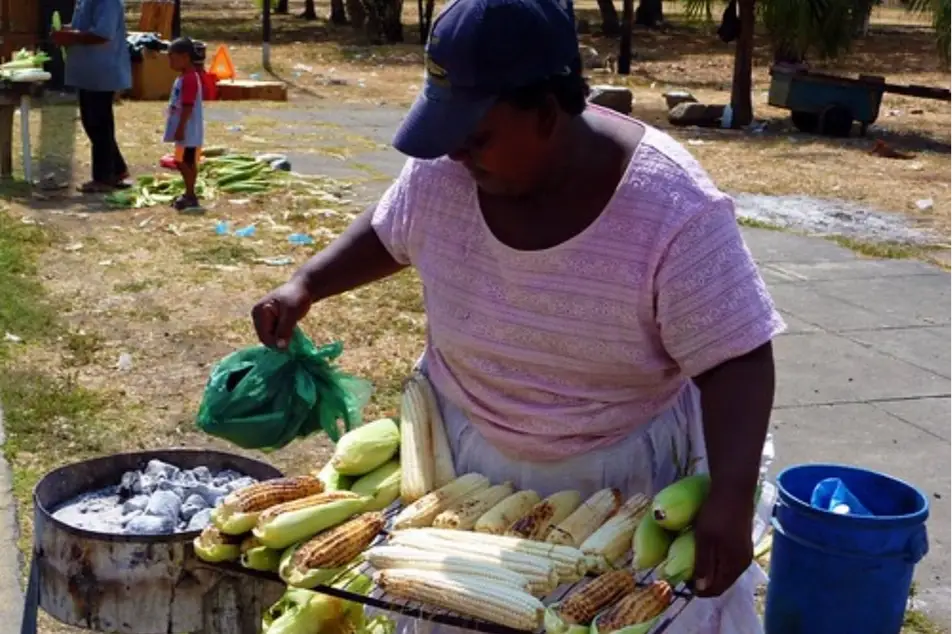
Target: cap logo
(435, 72)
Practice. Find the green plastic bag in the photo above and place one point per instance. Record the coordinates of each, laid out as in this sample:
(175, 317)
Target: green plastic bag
(262, 398)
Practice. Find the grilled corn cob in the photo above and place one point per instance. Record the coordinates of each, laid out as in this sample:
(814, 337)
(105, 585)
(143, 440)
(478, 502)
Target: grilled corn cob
(463, 515)
(569, 563)
(586, 519)
(500, 517)
(322, 557)
(291, 522)
(540, 572)
(239, 512)
(540, 519)
(443, 470)
(640, 606)
(580, 607)
(416, 444)
(472, 596)
(606, 546)
(257, 556)
(424, 511)
(387, 557)
(362, 450)
(381, 486)
(214, 546)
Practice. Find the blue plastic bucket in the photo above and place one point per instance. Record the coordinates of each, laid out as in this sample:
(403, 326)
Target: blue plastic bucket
(842, 574)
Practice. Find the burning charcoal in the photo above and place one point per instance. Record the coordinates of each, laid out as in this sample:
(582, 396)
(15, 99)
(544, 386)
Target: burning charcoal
(169, 485)
(129, 485)
(202, 474)
(211, 494)
(225, 477)
(200, 520)
(193, 505)
(150, 525)
(240, 483)
(160, 470)
(137, 503)
(147, 484)
(164, 504)
(186, 480)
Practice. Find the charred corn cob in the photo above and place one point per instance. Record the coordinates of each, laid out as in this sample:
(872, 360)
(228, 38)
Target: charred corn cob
(239, 512)
(586, 519)
(214, 546)
(540, 572)
(472, 596)
(463, 515)
(424, 511)
(362, 450)
(500, 517)
(540, 519)
(416, 444)
(291, 522)
(322, 557)
(569, 563)
(388, 557)
(443, 470)
(580, 607)
(640, 606)
(257, 556)
(606, 546)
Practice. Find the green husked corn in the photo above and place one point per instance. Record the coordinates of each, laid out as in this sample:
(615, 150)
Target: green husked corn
(362, 450)
(382, 485)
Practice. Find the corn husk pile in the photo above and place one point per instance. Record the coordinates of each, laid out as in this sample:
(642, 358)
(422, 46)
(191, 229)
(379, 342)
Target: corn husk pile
(25, 66)
(221, 175)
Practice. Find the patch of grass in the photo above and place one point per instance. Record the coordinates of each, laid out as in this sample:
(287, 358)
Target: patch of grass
(137, 286)
(222, 252)
(25, 310)
(82, 347)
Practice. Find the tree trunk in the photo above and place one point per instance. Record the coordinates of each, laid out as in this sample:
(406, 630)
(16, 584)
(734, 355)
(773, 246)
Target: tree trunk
(310, 13)
(742, 106)
(281, 7)
(624, 54)
(650, 13)
(383, 21)
(338, 13)
(610, 24)
(427, 23)
(357, 14)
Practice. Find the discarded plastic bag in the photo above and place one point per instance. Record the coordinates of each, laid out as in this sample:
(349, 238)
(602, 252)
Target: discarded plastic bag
(262, 398)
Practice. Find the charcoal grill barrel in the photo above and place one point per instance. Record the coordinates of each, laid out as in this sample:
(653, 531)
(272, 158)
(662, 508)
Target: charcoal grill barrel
(131, 584)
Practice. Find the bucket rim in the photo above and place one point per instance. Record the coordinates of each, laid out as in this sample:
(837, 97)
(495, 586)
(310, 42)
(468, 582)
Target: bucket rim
(874, 521)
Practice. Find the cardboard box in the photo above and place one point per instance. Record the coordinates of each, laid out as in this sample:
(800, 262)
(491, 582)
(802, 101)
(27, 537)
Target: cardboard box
(248, 90)
(152, 79)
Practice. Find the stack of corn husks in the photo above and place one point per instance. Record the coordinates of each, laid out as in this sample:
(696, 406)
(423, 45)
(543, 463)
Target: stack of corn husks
(311, 530)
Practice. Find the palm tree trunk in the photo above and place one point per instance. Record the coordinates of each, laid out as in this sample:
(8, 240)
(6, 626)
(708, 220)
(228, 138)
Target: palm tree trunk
(610, 24)
(338, 13)
(310, 13)
(742, 106)
(650, 13)
(281, 7)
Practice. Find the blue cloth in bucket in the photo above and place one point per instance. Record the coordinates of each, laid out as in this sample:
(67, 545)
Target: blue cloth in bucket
(833, 495)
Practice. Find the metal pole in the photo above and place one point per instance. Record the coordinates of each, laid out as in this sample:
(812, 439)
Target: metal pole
(25, 138)
(266, 36)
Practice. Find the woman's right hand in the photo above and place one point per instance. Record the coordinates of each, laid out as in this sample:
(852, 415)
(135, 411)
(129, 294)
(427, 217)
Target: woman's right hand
(279, 311)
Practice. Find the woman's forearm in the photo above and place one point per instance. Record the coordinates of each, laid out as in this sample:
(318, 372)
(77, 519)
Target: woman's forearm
(354, 258)
(736, 400)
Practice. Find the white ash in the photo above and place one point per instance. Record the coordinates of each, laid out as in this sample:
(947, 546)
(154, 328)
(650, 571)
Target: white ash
(159, 500)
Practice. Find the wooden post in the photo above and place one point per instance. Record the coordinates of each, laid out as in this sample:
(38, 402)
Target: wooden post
(6, 140)
(266, 35)
(742, 106)
(624, 55)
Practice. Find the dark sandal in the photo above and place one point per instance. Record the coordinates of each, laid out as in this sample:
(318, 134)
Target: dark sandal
(94, 187)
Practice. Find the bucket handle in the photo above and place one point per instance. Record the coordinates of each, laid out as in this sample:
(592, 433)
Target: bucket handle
(916, 547)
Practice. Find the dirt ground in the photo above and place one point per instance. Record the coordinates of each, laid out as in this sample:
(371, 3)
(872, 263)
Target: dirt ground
(82, 285)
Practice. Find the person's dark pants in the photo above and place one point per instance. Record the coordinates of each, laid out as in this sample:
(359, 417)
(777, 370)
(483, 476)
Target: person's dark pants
(95, 111)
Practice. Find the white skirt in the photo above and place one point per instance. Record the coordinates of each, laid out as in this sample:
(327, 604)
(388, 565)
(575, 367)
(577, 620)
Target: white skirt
(653, 456)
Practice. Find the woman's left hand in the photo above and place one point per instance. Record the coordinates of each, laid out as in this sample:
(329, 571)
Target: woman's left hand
(723, 543)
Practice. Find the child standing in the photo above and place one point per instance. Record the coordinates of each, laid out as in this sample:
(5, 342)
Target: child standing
(186, 125)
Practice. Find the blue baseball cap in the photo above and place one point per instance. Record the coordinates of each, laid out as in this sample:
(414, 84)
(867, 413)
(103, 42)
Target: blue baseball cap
(478, 49)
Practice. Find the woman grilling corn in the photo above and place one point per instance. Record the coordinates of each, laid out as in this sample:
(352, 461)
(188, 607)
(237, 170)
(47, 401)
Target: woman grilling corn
(594, 316)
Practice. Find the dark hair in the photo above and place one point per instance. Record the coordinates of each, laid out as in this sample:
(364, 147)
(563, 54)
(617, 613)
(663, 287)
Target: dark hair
(569, 89)
(194, 50)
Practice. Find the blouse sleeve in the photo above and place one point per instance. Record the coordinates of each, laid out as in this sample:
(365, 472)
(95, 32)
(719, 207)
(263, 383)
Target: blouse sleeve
(392, 216)
(711, 303)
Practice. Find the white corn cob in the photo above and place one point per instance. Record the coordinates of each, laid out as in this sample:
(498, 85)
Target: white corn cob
(424, 511)
(586, 519)
(500, 517)
(462, 516)
(606, 546)
(387, 557)
(443, 470)
(471, 596)
(569, 563)
(540, 519)
(416, 445)
(540, 572)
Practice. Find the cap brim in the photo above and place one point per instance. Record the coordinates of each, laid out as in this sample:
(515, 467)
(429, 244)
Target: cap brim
(439, 122)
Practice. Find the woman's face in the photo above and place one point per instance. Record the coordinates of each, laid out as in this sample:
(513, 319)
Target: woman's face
(506, 154)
